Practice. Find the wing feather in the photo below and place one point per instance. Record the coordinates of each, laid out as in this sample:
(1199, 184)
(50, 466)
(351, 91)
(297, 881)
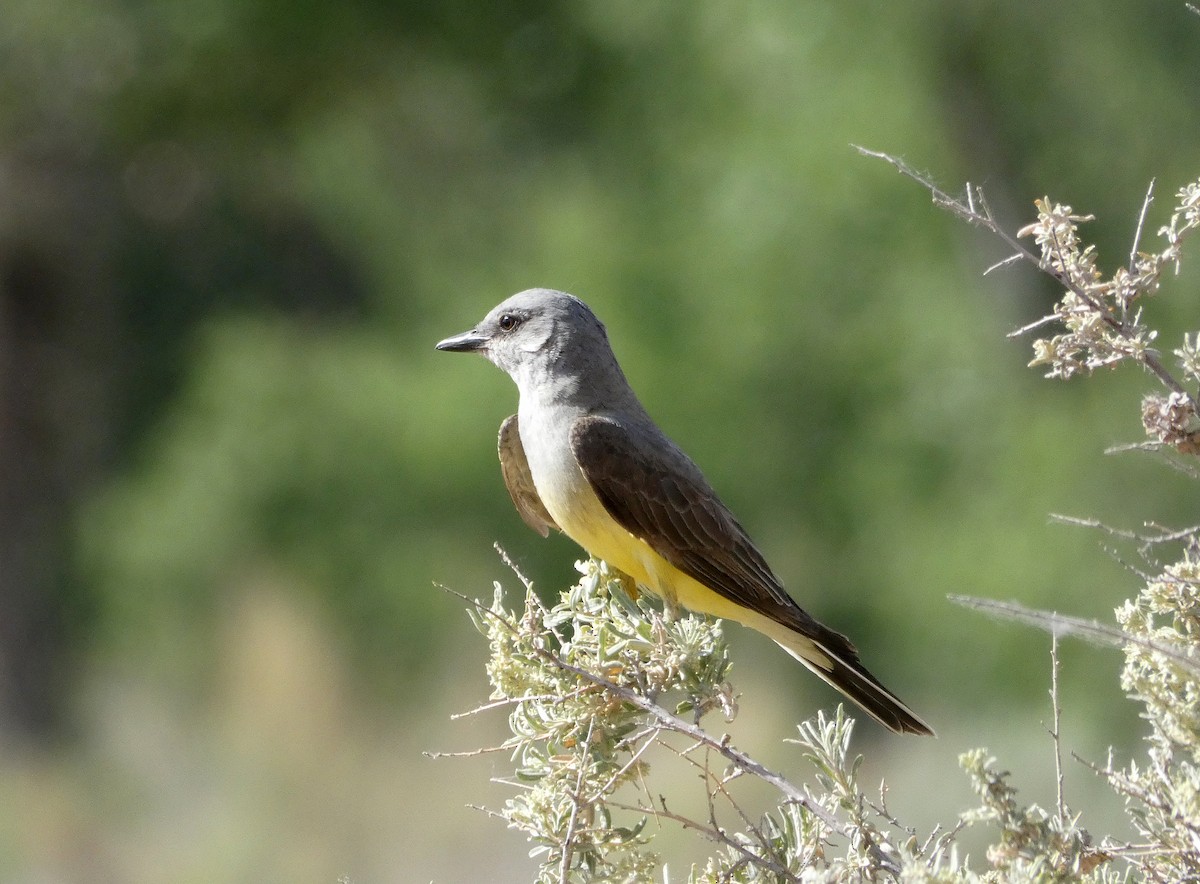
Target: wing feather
(659, 495)
(519, 480)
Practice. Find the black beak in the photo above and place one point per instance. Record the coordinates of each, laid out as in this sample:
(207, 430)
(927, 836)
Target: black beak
(467, 342)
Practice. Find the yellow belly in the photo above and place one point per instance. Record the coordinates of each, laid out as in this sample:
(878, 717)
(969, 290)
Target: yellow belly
(584, 519)
(589, 524)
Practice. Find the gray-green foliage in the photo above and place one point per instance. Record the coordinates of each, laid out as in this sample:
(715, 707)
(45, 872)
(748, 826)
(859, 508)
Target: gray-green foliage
(1034, 843)
(575, 742)
(579, 677)
(1162, 791)
(587, 679)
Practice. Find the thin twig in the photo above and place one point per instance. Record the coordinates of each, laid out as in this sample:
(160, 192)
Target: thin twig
(939, 839)
(512, 701)
(1133, 790)
(1168, 535)
(1055, 733)
(881, 810)
(1151, 361)
(488, 811)
(983, 217)
(504, 557)
(628, 766)
(719, 787)
(1166, 456)
(564, 866)
(1036, 324)
(713, 833)
(1004, 262)
(1089, 630)
(722, 746)
(705, 769)
(1165, 535)
(1087, 522)
(472, 753)
(1137, 234)
(516, 784)
(966, 211)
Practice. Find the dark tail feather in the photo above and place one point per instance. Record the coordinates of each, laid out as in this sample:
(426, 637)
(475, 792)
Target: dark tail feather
(847, 674)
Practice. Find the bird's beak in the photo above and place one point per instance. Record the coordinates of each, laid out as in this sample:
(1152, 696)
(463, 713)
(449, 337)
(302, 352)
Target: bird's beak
(467, 342)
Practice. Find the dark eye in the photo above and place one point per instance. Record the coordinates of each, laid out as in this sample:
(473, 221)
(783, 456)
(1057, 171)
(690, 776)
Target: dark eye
(508, 321)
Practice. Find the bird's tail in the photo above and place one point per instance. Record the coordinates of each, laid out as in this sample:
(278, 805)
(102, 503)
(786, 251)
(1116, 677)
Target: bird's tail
(833, 658)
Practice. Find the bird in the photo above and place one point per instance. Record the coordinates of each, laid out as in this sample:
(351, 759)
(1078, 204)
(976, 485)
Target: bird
(582, 456)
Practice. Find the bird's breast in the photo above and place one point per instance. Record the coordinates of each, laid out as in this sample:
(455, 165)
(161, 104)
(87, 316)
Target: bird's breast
(562, 486)
(568, 496)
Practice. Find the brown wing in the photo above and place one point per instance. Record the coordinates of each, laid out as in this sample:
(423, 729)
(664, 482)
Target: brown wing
(657, 494)
(519, 480)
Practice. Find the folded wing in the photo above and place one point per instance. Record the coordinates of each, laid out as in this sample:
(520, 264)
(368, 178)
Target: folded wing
(658, 495)
(519, 480)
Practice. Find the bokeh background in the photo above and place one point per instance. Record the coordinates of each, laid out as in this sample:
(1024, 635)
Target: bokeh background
(232, 466)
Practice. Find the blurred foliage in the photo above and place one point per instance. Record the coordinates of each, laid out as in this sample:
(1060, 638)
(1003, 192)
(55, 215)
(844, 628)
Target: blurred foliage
(255, 220)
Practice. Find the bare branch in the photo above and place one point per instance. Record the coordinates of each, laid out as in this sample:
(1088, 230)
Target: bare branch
(1163, 535)
(1062, 625)
(1055, 732)
(1037, 323)
(577, 801)
(1137, 234)
(1004, 262)
(674, 723)
(473, 753)
(975, 210)
(512, 566)
(713, 833)
(634, 758)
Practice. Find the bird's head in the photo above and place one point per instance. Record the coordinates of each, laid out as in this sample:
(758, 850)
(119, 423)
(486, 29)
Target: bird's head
(536, 333)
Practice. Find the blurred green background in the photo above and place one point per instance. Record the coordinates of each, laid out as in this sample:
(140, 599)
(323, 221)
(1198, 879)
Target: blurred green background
(233, 466)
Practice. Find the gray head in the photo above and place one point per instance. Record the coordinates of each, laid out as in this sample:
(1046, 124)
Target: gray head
(543, 337)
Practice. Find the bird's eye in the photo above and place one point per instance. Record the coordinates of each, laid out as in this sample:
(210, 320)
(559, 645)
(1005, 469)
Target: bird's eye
(508, 322)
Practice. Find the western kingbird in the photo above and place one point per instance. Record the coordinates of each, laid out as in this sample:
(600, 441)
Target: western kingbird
(582, 456)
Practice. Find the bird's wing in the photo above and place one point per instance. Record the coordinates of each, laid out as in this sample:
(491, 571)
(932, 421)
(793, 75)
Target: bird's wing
(659, 496)
(519, 480)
